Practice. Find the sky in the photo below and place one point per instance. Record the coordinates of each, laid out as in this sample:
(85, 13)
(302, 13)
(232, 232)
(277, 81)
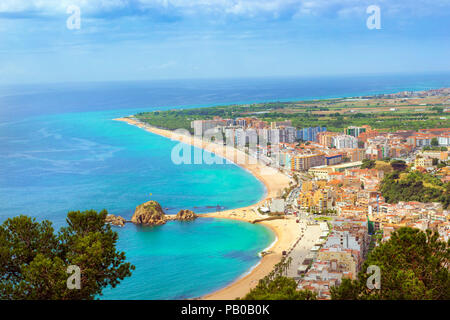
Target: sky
(172, 39)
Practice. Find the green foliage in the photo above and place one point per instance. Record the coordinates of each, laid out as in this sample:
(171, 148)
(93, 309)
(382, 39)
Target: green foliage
(302, 114)
(348, 290)
(370, 227)
(276, 286)
(398, 165)
(442, 164)
(368, 164)
(34, 260)
(411, 188)
(438, 109)
(434, 148)
(280, 288)
(167, 120)
(434, 142)
(414, 265)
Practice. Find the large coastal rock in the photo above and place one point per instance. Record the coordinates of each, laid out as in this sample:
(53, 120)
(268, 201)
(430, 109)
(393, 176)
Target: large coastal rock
(149, 214)
(186, 215)
(115, 220)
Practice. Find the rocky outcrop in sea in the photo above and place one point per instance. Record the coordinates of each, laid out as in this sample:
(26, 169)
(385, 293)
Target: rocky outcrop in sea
(149, 214)
(186, 215)
(115, 220)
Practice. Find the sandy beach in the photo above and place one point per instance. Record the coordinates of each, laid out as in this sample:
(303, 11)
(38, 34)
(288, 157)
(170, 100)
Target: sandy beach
(286, 230)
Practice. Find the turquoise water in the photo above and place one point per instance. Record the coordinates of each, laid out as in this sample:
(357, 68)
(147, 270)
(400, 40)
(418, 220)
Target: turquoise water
(61, 151)
(79, 161)
(87, 160)
(188, 259)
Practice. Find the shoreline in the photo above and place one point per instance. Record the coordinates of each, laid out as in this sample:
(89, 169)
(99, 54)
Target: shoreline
(285, 229)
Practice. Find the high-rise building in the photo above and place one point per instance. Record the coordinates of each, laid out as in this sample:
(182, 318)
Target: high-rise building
(304, 162)
(290, 134)
(345, 142)
(354, 131)
(326, 138)
(284, 160)
(230, 136)
(356, 154)
(201, 126)
(310, 134)
(332, 159)
(240, 137)
(244, 137)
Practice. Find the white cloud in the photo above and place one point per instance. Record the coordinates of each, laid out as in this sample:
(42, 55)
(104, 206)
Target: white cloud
(246, 8)
(57, 6)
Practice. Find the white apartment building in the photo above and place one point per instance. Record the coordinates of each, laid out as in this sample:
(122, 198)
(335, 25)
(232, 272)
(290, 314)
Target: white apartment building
(345, 141)
(201, 126)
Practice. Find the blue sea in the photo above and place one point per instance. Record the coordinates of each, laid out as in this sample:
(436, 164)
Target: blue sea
(60, 150)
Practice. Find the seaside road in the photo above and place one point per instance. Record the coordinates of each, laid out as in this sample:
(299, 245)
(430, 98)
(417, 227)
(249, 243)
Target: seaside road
(303, 247)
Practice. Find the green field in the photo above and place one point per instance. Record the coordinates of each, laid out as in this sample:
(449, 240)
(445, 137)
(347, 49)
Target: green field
(335, 114)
